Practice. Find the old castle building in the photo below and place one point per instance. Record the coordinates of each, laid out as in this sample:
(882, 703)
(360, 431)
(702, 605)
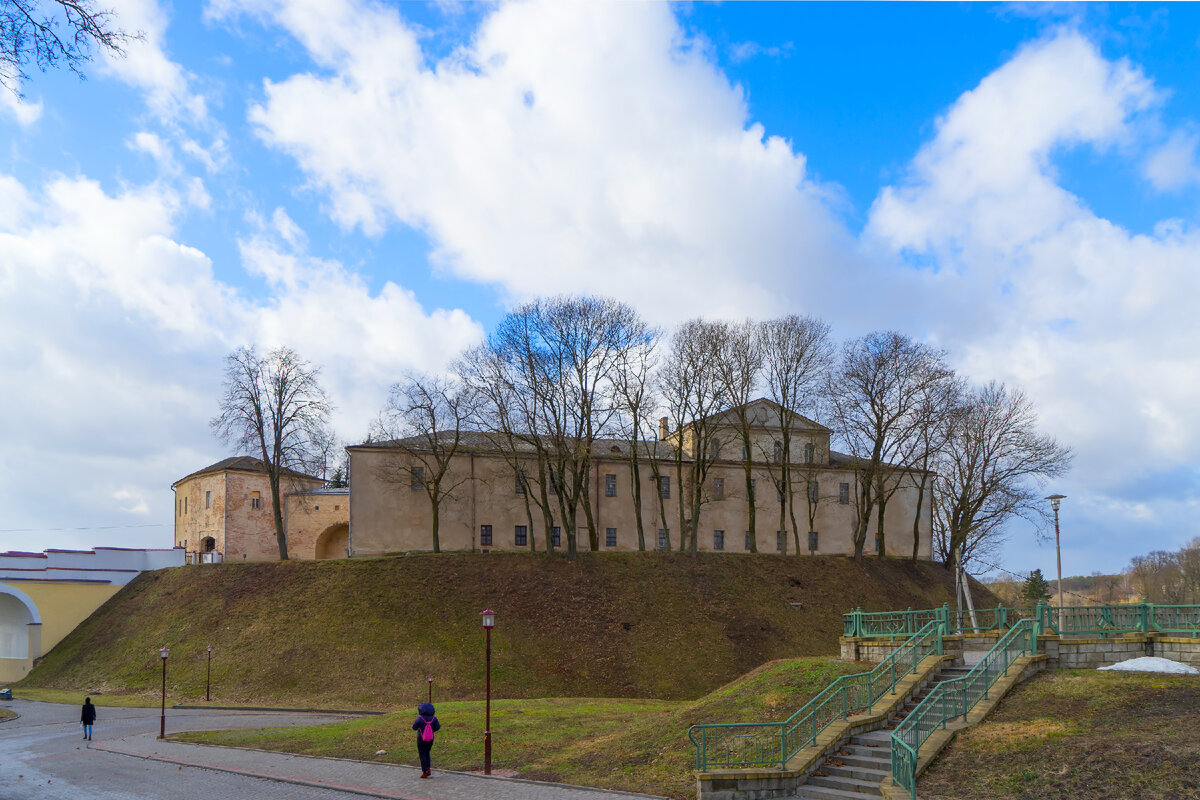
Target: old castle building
(387, 510)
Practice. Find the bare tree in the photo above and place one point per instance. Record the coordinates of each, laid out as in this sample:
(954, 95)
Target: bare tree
(558, 355)
(426, 418)
(53, 33)
(693, 393)
(633, 392)
(988, 472)
(739, 366)
(937, 402)
(874, 395)
(276, 407)
(797, 354)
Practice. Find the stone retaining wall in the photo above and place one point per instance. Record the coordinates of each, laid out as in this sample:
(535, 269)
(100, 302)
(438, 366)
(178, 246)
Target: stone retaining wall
(1065, 652)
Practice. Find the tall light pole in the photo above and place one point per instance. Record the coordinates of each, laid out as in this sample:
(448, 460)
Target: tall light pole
(429, 678)
(1055, 501)
(162, 722)
(489, 620)
(208, 679)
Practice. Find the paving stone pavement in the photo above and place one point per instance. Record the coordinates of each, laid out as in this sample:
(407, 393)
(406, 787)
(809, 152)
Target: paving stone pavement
(44, 757)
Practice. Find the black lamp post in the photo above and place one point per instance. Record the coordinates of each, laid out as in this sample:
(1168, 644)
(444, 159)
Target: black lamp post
(1055, 501)
(489, 620)
(429, 678)
(162, 722)
(208, 679)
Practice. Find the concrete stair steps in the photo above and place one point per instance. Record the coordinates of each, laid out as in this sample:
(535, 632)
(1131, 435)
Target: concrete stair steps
(844, 784)
(854, 773)
(882, 762)
(879, 738)
(865, 751)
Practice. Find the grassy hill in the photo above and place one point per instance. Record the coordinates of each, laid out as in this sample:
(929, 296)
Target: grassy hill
(364, 633)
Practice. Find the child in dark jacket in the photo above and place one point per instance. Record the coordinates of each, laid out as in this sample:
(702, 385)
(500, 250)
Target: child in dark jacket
(425, 718)
(88, 718)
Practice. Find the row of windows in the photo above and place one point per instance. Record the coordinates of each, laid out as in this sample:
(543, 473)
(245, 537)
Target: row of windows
(521, 538)
(255, 502)
(714, 449)
(664, 487)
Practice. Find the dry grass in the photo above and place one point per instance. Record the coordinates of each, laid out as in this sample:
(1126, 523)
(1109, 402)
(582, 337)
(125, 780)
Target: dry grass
(364, 633)
(631, 745)
(1084, 735)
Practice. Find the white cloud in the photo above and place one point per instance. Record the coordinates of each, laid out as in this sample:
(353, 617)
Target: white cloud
(24, 112)
(567, 148)
(112, 332)
(1174, 165)
(147, 66)
(1097, 322)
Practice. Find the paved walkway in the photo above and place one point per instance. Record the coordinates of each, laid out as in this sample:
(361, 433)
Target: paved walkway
(126, 760)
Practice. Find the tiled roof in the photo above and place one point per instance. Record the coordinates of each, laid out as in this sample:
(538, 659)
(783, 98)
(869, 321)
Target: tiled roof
(242, 464)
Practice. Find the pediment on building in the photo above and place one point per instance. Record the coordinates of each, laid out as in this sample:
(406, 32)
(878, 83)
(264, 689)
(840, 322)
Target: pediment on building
(764, 413)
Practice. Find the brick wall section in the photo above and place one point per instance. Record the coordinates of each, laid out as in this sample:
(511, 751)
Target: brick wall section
(318, 524)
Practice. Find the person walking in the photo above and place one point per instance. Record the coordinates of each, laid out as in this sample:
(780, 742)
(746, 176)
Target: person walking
(88, 718)
(426, 725)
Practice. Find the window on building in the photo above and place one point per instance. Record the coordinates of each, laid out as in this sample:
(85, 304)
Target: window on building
(718, 540)
(417, 474)
(553, 483)
(610, 537)
(208, 499)
(255, 500)
(610, 484)
(316, 508)
(485, 535)
(714, 448)
(812, 541)
(844, 493)
(813, 491)
(664, 486)
(185, 505)
(746, 546)
(662, 539)
(780, 538)
(556, 536)
(519, 482)
(745, 452)
(718, 488)
(808, 453)
(777, 454)
(520, 536)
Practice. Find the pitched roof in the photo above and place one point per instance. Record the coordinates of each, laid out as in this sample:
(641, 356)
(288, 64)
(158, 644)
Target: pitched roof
(764, 413)
(242, 464)
(483, 441)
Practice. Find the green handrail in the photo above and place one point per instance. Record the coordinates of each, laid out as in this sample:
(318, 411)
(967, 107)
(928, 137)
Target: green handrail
(955, 698)
(1183, 620)
(771, 744)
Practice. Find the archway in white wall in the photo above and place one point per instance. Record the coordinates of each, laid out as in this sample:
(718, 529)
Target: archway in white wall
(17, 612)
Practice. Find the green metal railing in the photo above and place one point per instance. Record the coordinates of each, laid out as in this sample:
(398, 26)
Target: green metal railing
(771, 744)
(955, 698)
(1181, 620)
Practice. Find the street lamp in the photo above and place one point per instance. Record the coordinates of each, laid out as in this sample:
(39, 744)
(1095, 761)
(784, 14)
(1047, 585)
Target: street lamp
(208, 680)
(162, 723)
(489, 621)
(1055, 501)
(430, 679)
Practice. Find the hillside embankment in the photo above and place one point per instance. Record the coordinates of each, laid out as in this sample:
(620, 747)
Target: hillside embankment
(365, 633)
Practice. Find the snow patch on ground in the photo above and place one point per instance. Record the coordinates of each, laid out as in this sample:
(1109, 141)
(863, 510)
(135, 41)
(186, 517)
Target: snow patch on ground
(1154, 664)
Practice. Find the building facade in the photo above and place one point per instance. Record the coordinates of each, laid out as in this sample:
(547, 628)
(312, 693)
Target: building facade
(391, 512)
(225, 512)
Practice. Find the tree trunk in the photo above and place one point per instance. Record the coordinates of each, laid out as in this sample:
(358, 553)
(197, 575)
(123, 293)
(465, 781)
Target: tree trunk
(280, 533)
(593, 532)
(751, 505)
(879, 543)
(635, 482)
(917, 518)
(436, 509)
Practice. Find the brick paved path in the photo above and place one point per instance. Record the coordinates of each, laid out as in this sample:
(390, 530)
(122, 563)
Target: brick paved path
(44, 758)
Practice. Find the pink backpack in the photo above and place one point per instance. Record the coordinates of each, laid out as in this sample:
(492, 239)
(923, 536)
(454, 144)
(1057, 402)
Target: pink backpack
(427, 734)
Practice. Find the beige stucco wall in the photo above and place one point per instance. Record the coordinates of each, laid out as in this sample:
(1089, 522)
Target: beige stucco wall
(318, 524)
(193, 521)
(389, 516)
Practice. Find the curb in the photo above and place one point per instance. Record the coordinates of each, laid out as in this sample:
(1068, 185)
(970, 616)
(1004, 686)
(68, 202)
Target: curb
(182, 707)
(353, 790)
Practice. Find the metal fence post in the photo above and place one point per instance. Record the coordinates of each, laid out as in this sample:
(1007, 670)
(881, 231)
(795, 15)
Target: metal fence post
(1001, 618)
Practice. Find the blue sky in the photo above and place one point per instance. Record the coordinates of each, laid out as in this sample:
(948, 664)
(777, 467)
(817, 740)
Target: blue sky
(375, 184)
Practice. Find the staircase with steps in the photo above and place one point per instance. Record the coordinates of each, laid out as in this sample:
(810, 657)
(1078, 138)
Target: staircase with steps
(855, 771)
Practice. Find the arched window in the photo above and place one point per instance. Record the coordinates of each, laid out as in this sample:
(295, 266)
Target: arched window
(808, 452)
(778, 453)
(208, 544)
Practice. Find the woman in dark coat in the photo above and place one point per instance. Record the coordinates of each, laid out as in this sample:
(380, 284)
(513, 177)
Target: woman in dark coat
(88, 718)
(425, 718)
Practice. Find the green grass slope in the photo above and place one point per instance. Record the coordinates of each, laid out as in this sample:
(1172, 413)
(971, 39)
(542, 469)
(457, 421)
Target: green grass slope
(625, 744)
(364, 633)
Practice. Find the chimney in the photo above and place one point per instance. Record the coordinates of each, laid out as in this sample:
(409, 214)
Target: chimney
(662, 429)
